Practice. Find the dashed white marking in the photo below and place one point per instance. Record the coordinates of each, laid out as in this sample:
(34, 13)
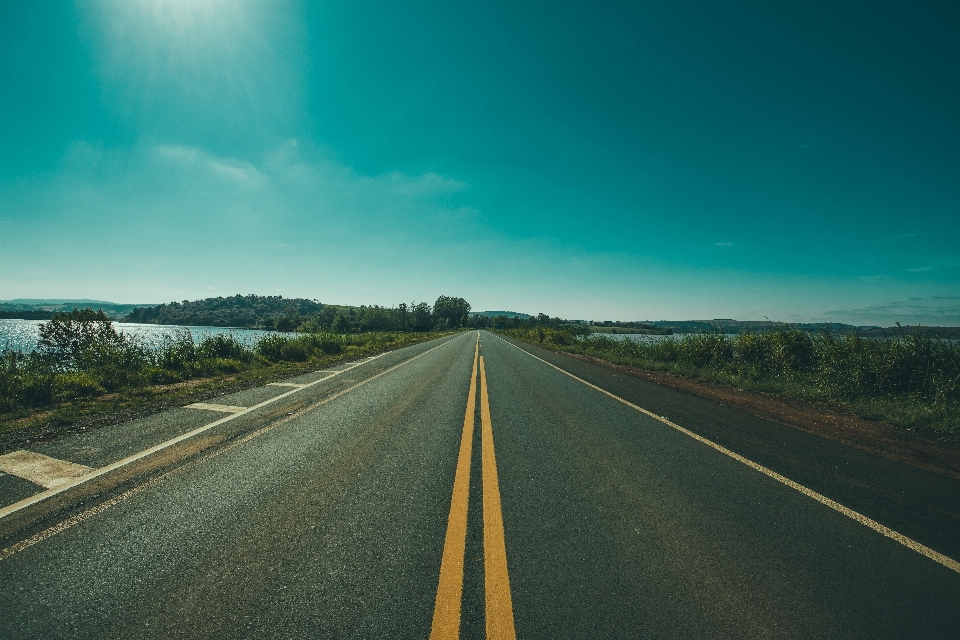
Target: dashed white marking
(286, 384)
(96, 473)
(225, 408)
(40, 469)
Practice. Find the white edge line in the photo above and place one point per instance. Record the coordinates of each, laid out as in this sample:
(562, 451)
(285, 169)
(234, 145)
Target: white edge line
(96, 473)
(910, 543)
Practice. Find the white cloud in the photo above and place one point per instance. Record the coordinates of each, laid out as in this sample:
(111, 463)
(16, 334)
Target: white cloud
(196, 158)
(429, 183)
(723, 244)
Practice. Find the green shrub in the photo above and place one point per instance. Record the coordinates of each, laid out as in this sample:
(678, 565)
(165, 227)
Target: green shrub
(912, 380)
(158, 375)
(224, 346)
(69, 334)
(294, 351)
(271, 347)
(73, 386)
(82, 356)
(226, 365)
(177, 353)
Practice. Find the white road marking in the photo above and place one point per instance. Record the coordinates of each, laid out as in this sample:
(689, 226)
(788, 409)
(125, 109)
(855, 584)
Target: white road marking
(286, 384)
(96, 473)
(40, 469)
(225, 408)
(946, 561)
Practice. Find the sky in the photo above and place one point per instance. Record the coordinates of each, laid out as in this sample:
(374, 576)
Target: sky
(797, 161)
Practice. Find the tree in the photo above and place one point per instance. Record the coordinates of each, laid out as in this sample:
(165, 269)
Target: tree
(69, 334)
(341, 324)
(421, 316)
(451, 311)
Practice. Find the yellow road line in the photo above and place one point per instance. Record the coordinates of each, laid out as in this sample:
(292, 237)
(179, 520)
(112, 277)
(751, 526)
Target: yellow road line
(496, 581)
(910, 543)
(446, 611)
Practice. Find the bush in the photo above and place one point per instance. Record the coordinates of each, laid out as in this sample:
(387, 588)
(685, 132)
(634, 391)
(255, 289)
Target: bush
(82, 356)
(157, 375)
(914, 380)
(271, 347)
(67, 335)
(224, 365)
(224, 346)
(294, 351)
(73, 386)
(177, 353)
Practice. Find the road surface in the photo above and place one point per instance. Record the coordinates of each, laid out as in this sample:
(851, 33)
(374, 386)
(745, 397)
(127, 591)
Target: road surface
(477, 487)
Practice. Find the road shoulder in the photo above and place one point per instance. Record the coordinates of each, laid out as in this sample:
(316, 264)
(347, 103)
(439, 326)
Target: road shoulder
(929, 451)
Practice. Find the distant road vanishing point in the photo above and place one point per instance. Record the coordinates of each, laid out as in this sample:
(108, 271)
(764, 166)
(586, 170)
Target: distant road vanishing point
(471, 487)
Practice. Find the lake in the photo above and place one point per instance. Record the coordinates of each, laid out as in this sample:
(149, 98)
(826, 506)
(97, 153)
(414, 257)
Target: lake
(23, 335)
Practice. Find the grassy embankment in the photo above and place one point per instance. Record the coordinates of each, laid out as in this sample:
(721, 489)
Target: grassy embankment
(912, 381)
(84, 370)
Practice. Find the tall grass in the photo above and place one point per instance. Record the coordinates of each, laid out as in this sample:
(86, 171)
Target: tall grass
(81, 356)
(911, 380)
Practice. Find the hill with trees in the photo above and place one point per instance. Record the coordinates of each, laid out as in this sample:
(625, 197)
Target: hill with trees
(298, 314)
(250, 311)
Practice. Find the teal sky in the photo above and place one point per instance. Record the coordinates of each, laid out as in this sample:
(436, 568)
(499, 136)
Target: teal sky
(643, 160)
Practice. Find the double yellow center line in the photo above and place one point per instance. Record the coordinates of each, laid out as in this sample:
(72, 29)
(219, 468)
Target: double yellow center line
(498, 604)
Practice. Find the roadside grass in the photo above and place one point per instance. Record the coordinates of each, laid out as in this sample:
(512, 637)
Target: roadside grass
(84, 372)
(911, 381)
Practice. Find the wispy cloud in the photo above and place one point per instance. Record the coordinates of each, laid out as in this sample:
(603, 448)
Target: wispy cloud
(429, 183)
(936, 265)
(223, 167)
(723, 244)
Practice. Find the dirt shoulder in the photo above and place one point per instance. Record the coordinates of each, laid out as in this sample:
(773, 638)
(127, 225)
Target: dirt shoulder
(935, 452)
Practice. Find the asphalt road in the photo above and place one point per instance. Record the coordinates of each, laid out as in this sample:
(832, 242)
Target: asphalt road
(352, 509)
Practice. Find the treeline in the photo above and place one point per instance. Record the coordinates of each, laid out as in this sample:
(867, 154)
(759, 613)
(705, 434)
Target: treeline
(446, 313)
(297, 314)
(81, 356)
(250, 311)
(25, 315)
(911, 381)
(531, 322)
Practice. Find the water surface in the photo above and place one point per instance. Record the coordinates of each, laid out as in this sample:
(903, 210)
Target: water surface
(23, 335)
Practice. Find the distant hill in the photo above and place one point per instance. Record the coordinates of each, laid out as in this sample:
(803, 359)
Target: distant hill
(940, 332)
(508, 314)
(632, 328)
(43, 309)
(35, 302)
(728, 325)
(236, 311)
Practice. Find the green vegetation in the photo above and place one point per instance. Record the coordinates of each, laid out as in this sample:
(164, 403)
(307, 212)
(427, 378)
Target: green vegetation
(33, 309)
(634, 328)
(276, 313)
(81, 359)
(237, 311)
(912, 381)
